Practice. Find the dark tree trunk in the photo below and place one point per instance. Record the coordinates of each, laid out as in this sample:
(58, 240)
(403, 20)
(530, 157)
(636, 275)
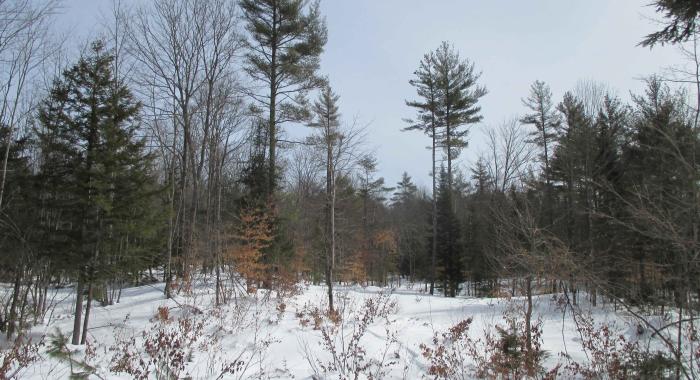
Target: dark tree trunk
(78, 311)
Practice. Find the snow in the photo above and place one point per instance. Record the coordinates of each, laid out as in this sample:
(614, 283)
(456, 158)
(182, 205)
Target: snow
(240, 329)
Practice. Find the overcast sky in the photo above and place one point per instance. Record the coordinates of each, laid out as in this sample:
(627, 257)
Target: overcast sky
(375, 45)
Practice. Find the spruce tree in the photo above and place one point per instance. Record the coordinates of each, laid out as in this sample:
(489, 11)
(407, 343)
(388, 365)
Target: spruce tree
(660, 181)
(611, 127)
(407, 208)
(449, 241)
(570, 167)
(405, 190)
(94, 171)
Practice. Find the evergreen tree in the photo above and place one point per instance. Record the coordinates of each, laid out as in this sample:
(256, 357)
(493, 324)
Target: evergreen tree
(408, 210)
(571, 164)
(405, 191)
(611, 126)
(18, 216)
(449, 242)
(94, 171)
(479, 228)
(427, 120)
(546, 122)
(457, 103)
(371, 192)
(284, 49)
(681, 18)
(481, 177)
(660, 182)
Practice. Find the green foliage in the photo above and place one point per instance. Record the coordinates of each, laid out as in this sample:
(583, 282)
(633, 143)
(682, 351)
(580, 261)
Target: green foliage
(57, 348)
(450, 248)
(679, 25)
(284, 49)
(95, 178)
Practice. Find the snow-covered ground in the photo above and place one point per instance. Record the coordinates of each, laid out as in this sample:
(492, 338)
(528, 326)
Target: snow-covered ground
(263, 336)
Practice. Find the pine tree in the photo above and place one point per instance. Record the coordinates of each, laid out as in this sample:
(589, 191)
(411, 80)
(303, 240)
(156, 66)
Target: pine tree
(457, 104)
(427, 120)
(94, 170)
(284, 54)
(546, 122)
(449, 95)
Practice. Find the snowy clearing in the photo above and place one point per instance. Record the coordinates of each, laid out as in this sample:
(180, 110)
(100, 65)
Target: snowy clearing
(262, 336)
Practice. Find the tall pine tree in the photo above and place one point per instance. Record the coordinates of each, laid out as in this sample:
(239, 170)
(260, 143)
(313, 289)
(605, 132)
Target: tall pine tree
(286, 41)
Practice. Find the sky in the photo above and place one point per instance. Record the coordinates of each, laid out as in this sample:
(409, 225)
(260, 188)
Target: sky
(374, 46)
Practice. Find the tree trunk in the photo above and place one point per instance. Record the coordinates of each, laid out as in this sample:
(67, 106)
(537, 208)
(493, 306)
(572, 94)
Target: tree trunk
(273, 106)
(330, 212)
(12, 320)
(433, 257)
(78, 311)
(528, 317)
(88, 307)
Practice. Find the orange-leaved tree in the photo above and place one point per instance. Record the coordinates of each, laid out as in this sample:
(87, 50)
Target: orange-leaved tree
(253, 235)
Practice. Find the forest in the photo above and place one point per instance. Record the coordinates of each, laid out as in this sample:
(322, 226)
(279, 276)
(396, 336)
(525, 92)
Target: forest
(159, 221)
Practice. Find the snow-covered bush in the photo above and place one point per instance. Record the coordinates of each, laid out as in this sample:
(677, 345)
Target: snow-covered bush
(17, 357)
(611, 355)
(168, 346)
(342, 332)
(501, 352)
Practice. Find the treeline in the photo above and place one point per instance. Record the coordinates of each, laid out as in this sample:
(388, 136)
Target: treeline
(159, 154)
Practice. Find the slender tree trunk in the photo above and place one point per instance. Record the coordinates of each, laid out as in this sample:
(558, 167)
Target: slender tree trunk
(528, 317)
(12, 320)
(88, 307)
(78, 310)
(330, 223)
(433, 257)
(171, 224)
(6, 156)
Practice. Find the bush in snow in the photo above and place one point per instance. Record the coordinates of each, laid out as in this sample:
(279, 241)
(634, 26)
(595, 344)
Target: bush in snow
(17, 357)
(168, 346)
(503, 354)
(611, 355)
(342, 333)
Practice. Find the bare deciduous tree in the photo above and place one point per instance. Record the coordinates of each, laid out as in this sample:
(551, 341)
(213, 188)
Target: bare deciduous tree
(509, 154)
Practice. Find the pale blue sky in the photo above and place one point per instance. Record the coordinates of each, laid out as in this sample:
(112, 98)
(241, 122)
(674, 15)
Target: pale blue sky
(375, 45)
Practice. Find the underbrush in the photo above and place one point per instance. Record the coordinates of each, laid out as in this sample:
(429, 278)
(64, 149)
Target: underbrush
(16, 358)
(611, 355)
(343, 338)
(191, 346)
(500, 352)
